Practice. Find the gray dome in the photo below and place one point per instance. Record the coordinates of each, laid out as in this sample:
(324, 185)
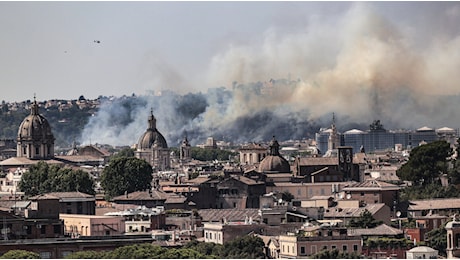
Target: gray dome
(152, 137)
(274, 162)
(35, 127)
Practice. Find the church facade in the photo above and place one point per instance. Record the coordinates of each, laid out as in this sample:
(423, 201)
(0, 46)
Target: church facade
(152, 147)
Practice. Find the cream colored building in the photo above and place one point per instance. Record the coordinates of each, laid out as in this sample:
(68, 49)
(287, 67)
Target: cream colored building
(77, 225)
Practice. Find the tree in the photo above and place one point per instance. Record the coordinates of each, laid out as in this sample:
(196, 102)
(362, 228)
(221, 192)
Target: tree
(365, 220)
(426, 163)
(20, 254)
(287, 196)
(454, 173)
(429, 191)
(437, 239)
(335, 254)
(245, 247)
(202, 154)
(44, 178)
(125, 152)
(126, 174)
(88, 254)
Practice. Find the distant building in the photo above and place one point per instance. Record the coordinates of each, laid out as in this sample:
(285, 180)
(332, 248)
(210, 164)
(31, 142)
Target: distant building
(76, 225)
(185, 151)
(35, 138)
(378, 138)
(274, 162)
(422, 252)
(75, 203)
(252, 153)
(152, 147)
(317, 239)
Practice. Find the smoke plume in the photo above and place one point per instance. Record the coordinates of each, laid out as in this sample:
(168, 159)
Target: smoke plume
(363, 66)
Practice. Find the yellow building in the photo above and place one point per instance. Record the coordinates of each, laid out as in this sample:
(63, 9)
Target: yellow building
(77, 225)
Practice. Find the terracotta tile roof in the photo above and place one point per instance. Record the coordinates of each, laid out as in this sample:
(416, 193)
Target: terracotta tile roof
(198, 180)
(175, 199)
(80, 158)
(44, 197)
(24, 161)
(382, 230)
(143, 195)
(307, 161)
(450, 203)
(352, 212)
(216, 215)
(371, 184)
(74, 194)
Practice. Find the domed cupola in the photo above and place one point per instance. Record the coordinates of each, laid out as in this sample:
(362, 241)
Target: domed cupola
(274, 162)
(153, 148)
(152, 137)
(35, 139)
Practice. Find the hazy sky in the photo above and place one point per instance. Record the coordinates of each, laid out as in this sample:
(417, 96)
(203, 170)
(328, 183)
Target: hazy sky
(48, 48)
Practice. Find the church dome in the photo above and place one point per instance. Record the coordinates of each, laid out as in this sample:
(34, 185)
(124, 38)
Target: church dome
(274, 162)
(35, 127)
(152, 137)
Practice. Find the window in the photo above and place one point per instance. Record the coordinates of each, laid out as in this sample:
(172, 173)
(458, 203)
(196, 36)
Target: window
(45, 255)
(362, 193)
(206, 235)
(322, 191)
(324, 247)
(57, 229)
(333, 247)
(37, 150)
(302, 250)
(313, 249)
(43, 229)
(299, 192)
(344, 248)
(355, 248)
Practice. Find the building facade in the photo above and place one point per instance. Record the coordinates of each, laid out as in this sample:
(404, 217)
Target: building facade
(152, 147)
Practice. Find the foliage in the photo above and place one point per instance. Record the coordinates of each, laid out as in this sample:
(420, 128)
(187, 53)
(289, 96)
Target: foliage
(203, 154)
(426, 163)
(335, 254)
(454, 172)
(193, 175)
(126, 174)
(365, 220)
(437, 239)
(89, 254)
(20, 254)
(385, 242)
(251, 247)
(287, 196)
(139, 251)
(246, 247)
(125, 152)
(44, 178)
(429, 191)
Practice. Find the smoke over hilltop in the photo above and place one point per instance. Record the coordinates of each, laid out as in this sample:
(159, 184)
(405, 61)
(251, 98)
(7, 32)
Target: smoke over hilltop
(362, 66)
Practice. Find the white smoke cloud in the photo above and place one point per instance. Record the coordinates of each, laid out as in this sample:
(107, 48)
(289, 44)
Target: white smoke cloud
(362, 66)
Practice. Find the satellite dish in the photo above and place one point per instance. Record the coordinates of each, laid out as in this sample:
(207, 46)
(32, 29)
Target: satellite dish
(348, 196)
(280, 200)
(398, 213)
(340, 196)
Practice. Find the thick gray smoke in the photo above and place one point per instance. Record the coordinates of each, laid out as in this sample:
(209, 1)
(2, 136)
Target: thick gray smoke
(363, 66)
